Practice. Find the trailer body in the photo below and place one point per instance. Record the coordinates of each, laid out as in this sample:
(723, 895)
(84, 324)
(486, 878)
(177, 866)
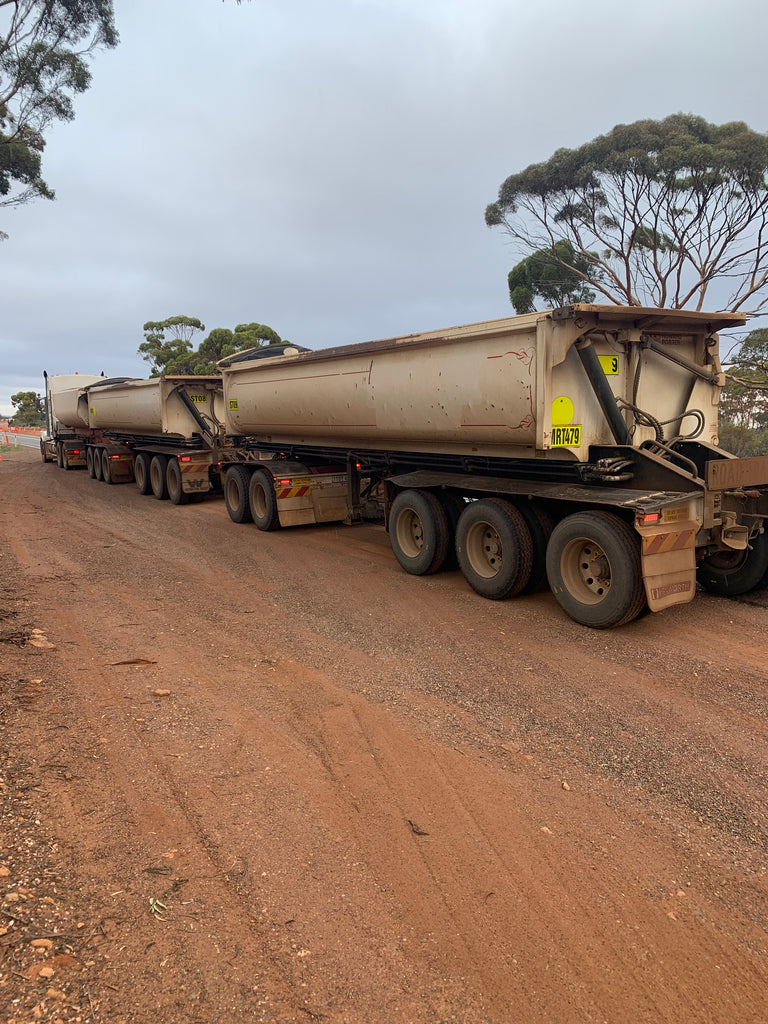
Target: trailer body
(558, 439)
(163, 432)
(66, 431)
(577, 445)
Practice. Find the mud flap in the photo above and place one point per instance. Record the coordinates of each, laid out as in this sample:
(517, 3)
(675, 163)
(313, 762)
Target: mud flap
(195, 477)
(669, 563)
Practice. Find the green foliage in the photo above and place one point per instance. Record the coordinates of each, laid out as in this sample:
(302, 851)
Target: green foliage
(44, 49)
(222, 342)
(30, 410)
(558, 276)
(743, 441)
(744, 404)
(668, 206)
(177, 355)
(174, 356)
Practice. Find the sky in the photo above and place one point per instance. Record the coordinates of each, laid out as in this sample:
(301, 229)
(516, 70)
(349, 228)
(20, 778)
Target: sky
(324, 168)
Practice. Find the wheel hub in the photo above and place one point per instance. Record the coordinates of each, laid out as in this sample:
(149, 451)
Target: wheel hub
(594, 570)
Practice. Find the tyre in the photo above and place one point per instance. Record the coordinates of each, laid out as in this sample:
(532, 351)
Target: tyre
(454, 505)
(735, 572)
(494, 548)
(157, 478)
(594, 569)
(419, 532)
(60, 456)
(141, 473)
(65, 460)
(106, 468)
(97, 475)
(262, 501)
(89, 462)
(540, 525)
(173, 478)
(236, 494)
(43, 454)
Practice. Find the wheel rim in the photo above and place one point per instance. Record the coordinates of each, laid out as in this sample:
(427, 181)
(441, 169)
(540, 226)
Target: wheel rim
(586, 570)
(484, 550)
(259, 501)
(410, 533)
(233, 493)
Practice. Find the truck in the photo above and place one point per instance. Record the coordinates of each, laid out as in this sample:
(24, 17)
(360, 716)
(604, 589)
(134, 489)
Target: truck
(578, 445)
(165, 433)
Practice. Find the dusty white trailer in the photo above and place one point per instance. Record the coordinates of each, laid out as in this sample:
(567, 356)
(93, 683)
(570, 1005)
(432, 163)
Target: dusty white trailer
(581, 443)
(163, 432)
(66, 430)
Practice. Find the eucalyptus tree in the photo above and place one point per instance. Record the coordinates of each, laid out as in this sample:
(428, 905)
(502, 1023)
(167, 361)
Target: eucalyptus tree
(45, 47)
(658, 211)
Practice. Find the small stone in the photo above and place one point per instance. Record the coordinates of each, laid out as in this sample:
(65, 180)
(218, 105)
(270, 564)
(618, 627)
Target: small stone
(12, 897)
(46, 972)
(546, 831)
(41, 944)
(55, 993)
(4, 872)
(162, 693)
(566, 787)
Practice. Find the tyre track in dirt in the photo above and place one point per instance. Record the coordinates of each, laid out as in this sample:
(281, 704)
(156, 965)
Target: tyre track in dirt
(320, 702)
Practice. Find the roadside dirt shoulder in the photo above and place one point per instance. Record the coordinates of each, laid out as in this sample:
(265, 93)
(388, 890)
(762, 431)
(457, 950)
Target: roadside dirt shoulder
(271, 777)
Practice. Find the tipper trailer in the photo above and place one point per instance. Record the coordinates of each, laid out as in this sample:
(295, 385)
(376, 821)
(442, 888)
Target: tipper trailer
(66, 431)
(164, 432)
(579, 444)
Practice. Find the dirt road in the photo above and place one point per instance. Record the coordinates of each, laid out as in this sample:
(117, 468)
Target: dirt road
(271, 777)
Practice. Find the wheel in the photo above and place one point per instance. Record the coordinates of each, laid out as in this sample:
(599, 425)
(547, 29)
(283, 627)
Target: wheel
(141, 473)
(594, 570)
(262, 501)
(735, 572)
(236, 494)
(89, 462)
(176, 492)
(454, 505)
(43, 453)
(65, 460)
(157, 477)
(419, 532)
(60, 456)
(540, 526)
(494, 548)
(106, 467)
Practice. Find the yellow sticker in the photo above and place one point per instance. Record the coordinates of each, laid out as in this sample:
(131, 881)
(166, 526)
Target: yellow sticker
(566, 437)
(233, 404)
(199, 399)
(611, 365)
(562, 411)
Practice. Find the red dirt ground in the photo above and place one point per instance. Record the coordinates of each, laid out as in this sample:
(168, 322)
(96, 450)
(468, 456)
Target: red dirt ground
(271, 777)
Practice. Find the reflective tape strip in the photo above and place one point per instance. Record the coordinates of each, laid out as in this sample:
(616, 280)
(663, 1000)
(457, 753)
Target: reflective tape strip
(292, 492)
(668, 542)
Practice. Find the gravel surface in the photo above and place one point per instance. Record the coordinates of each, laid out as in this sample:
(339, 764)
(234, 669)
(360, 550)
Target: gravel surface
(270, 777)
